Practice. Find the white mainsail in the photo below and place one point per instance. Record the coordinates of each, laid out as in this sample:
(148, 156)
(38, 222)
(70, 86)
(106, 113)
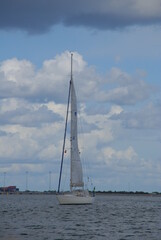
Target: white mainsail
(76, 166)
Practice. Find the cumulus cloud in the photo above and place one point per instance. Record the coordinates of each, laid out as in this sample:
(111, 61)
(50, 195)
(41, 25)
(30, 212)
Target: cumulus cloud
(148, 117)
(121, 157)
(127, 159)
(31, 145)
(124, 89)
(19, 79)
(17, 149)
(39, 16)
(29, 117)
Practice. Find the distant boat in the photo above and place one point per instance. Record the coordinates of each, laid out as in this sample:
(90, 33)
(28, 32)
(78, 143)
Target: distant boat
(77, 193)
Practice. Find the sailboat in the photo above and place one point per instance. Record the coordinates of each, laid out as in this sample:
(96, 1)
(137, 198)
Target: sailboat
(77, 193)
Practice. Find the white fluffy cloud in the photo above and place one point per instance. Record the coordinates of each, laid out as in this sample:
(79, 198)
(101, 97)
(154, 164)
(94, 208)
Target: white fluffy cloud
(124, 89)
(121, 160)
(19, 79)
(147, 117)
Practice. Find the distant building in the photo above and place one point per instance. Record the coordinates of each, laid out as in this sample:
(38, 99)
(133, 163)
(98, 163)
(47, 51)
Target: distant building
(9, 189)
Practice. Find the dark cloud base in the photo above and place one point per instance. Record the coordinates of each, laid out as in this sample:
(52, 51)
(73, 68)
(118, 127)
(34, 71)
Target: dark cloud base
(38, 16)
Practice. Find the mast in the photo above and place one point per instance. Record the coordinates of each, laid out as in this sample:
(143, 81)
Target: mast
(71, 81)
(71, 76)
(66, 121)
(76, 174)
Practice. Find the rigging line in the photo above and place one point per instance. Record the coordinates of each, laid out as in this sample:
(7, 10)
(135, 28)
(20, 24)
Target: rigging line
(66, 121)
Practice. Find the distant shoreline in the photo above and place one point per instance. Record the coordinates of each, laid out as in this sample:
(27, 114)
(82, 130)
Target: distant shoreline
(96, 192)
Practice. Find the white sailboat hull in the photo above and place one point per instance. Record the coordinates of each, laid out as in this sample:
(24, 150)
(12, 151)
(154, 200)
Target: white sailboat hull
(71, 199)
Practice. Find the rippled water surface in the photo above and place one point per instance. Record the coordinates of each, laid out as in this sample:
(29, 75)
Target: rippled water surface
(110, 217)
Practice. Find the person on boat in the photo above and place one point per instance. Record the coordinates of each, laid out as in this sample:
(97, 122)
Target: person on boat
(94, 192)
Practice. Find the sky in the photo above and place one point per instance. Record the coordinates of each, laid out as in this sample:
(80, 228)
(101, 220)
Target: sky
(116, 49)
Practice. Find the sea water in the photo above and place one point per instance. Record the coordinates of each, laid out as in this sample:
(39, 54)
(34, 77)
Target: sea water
(113, 217)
